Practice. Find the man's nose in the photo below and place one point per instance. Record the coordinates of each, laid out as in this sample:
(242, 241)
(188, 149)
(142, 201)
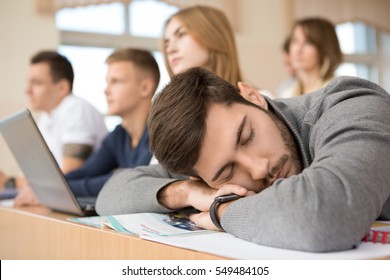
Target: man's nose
(256, 167)
(106, 91)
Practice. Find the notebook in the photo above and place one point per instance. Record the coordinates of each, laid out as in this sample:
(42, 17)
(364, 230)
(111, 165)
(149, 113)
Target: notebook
(41, 170)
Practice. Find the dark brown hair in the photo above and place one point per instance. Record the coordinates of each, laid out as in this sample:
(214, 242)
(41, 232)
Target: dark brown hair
(60, 67)
(177, 120)
(142, 59)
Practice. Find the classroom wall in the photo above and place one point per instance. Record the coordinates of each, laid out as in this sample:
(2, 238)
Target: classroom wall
(23, 32)
(262, 30)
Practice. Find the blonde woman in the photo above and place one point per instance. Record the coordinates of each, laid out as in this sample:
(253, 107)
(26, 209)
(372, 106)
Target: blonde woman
(314, 54)
(201, 36)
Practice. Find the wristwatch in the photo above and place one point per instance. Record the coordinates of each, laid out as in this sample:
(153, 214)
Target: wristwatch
(214, 206)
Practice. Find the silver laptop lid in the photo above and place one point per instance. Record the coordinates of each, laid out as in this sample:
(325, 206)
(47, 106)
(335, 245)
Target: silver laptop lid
(37, 163)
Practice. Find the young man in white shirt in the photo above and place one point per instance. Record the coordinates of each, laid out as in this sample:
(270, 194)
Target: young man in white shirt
(72, 127)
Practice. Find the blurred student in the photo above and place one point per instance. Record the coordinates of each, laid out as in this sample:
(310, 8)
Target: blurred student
(314, 53)
(71, 127)
(132, 78)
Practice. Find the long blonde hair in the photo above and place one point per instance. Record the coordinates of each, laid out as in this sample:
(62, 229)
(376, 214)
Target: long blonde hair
(212, 30)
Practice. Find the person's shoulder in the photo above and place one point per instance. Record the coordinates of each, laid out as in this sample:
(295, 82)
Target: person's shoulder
(346, 89)
(75, 106)
(118, 133)
(344, 95)
(118, 130)
(75, 101)
(349, 84)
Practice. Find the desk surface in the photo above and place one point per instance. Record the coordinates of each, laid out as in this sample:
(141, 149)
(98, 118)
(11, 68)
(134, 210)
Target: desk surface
(39, 233)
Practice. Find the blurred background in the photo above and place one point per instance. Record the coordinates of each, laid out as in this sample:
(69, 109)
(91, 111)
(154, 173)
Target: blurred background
(87, 31)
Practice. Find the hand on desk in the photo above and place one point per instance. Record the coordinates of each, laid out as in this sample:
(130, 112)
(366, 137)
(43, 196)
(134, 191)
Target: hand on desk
(17, 181)
(25, 196)
(3, 179)
(196, 193)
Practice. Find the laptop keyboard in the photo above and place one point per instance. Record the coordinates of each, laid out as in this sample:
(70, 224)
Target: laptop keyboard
(86, 202)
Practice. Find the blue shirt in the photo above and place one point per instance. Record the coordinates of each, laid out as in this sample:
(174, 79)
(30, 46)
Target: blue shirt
(116, 152)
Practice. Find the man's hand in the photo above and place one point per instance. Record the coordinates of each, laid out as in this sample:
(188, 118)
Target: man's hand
(25, 196)
(196, 193)
(202, 199)
(3, 179)
(203, 219)
(177, 194)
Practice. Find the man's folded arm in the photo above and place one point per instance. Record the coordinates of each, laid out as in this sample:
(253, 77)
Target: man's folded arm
(134, 191)
(330, 205)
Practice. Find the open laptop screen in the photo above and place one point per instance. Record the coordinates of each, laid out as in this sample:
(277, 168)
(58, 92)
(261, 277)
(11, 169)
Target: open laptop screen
(37, 163)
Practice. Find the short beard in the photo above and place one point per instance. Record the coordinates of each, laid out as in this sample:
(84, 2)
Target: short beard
(289, 142)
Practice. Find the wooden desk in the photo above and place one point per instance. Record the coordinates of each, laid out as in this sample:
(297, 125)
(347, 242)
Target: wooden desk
(39, 233)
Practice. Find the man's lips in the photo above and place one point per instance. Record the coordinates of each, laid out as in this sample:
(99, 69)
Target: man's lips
(282, 174)
(279, 175)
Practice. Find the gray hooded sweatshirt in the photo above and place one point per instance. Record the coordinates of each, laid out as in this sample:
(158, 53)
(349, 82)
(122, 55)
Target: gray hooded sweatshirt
(343, 134)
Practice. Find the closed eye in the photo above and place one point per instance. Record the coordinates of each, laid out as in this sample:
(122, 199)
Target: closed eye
(249, 138)
(231, 173)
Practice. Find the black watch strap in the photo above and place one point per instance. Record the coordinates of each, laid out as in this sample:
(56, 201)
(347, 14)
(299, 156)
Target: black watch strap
(214, 207)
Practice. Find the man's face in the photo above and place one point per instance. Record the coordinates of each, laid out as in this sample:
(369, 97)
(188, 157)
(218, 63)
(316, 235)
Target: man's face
(246, 146)
(124, 88)
(41, 88)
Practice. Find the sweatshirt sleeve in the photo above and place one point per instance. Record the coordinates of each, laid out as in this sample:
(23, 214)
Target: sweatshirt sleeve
(134, 191)
(330, 205)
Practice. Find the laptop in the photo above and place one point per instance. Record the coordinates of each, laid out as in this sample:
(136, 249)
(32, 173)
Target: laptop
(39, 166)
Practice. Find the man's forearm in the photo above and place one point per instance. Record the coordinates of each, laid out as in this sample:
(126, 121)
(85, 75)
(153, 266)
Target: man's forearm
(185, 193)
(134, 191)
(174, 196)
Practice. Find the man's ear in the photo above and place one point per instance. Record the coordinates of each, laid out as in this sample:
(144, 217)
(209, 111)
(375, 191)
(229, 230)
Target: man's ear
(252, 95)
(63, 87)
(147, 85)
